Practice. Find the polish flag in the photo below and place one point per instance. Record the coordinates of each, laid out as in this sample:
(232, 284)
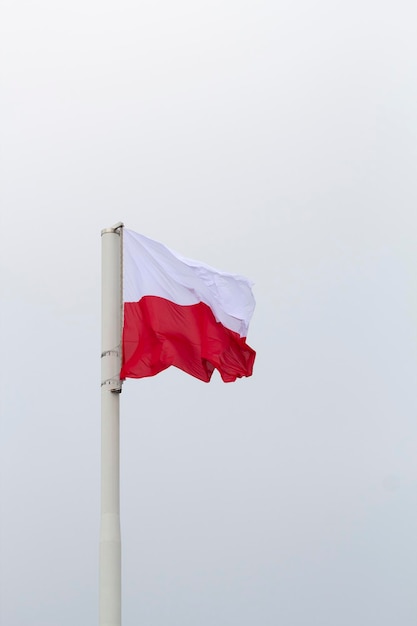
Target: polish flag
(182, 312)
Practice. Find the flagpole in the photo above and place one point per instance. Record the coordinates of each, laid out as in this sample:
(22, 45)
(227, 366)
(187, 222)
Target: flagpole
(111, 324)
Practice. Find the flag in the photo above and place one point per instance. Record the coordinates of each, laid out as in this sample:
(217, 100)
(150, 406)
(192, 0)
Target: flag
(181, 312)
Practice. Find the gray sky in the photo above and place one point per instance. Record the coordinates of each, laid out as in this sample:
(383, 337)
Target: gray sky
(272, 139)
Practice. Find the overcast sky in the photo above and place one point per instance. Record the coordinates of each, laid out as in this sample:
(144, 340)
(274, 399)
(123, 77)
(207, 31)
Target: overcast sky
(274, 139)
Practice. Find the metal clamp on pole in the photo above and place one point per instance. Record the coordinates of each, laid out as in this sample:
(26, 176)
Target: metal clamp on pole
(110, 369)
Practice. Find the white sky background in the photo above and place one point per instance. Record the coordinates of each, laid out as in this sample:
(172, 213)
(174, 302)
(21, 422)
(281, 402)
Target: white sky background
(272, 139)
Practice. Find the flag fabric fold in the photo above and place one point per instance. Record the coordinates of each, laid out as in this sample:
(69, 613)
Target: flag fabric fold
(182, 312)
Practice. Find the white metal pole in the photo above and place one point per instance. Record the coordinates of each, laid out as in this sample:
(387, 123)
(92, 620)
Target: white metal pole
(110, 544)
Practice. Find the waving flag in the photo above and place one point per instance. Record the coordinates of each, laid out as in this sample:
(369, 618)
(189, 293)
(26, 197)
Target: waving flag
(182, 312)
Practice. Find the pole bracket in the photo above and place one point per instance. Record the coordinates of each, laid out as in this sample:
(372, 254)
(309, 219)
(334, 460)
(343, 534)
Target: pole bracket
(112, 384)
(110, 353)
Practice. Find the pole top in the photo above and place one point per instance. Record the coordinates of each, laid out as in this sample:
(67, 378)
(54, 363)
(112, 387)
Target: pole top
(113, 229)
